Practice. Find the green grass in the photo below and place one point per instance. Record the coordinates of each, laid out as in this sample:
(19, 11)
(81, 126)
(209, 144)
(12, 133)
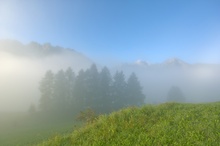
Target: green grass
(161, 125)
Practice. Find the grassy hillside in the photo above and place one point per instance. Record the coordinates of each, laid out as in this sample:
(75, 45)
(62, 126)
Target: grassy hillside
(165, 124)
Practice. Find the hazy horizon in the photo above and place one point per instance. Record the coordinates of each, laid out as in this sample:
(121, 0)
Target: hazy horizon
(145, 37)
(26, 51)
(24, 65)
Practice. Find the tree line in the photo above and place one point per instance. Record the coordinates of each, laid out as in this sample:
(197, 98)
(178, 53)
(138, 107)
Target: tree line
(99, 90)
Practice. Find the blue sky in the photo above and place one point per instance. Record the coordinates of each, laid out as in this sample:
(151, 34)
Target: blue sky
(119, 30)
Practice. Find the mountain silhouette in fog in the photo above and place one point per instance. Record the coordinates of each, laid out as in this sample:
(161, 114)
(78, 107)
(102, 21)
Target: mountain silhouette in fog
(174, 62)
(34, 49)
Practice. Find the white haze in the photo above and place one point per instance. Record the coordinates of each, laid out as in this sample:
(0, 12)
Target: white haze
(23, 66)
(198, 82)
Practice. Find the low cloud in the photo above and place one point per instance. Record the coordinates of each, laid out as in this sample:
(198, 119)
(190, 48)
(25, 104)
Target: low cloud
(23, 66)
(199, 82)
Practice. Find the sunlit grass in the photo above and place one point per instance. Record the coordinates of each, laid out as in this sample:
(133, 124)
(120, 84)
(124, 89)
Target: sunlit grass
(165, 124)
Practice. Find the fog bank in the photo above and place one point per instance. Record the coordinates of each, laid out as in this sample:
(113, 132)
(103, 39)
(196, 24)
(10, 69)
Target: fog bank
(23, 66)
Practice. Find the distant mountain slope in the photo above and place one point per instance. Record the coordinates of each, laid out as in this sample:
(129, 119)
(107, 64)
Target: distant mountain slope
(175, 62)
(34, 49)
(23, 66)
(165, 124)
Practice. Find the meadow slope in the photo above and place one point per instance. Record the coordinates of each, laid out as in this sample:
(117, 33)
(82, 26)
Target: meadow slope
(164, 124)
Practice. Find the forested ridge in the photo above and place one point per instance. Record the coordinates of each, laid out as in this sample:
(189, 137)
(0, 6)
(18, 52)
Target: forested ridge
(66, 91)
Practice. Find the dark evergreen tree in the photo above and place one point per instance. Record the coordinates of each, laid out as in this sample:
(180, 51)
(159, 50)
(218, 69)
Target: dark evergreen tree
(105, 85)
(70, 80)
(175, 95)
(60, 96)
(119, 90)
(80, 90)
(65, 91)
(46, 89)
(92, 82)
(134, 91)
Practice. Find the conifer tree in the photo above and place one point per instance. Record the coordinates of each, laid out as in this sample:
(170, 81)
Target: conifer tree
(46, 89)
(80, 90)
(92, 82)
(70, 81)
(134, 91)
(60, 96)
(119, 90)
(175, 95)
(105, 88)
(64, 91)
